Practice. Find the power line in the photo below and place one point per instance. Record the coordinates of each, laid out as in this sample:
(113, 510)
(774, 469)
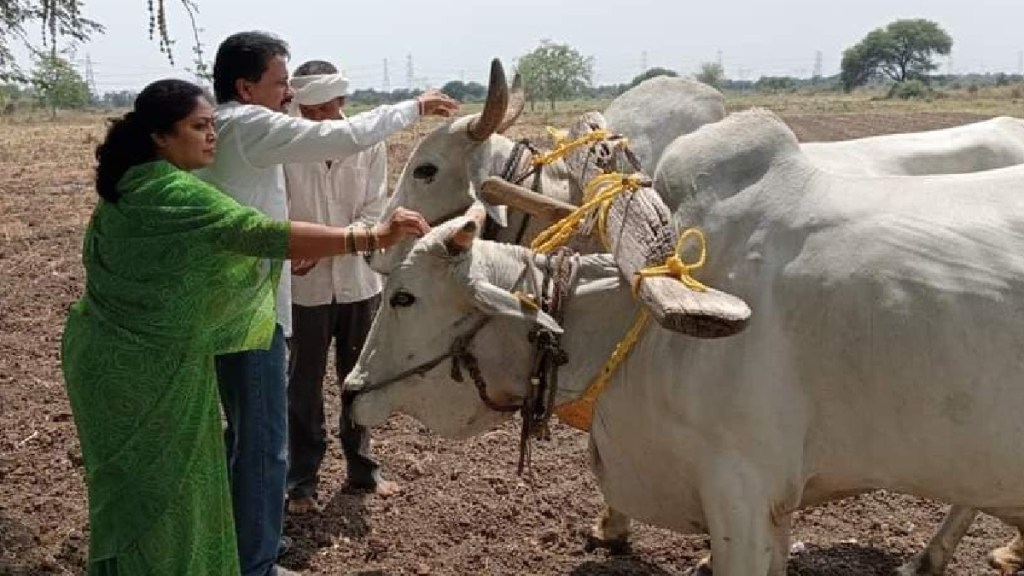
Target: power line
(409, 73)
(387, 77)
(90, 78)
(817, 64)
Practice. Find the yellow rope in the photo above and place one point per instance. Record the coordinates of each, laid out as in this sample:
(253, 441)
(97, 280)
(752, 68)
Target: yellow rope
(598, 196)
(579, 413)
(563, 146)
(600, 192)
(675, 267)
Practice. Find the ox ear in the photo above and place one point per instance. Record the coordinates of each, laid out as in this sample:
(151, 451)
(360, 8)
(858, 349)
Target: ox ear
(386, 261)
(495, 301)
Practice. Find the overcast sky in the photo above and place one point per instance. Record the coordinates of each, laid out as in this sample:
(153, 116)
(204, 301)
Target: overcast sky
(455, 39)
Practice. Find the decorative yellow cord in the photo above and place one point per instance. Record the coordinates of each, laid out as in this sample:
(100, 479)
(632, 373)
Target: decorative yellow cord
(563, 145)
(598, 196)
(579, 413)
(675, 267)
(600, 192)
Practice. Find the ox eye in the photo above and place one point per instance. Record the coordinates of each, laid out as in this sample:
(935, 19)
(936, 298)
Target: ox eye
(425, 172)
(402, 299)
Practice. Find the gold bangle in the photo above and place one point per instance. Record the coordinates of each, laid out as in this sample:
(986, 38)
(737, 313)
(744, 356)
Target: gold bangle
(353, 247)
(371, 239)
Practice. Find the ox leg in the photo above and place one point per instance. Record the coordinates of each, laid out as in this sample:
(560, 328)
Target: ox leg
(1010, 558)
(933, 559)
(781, 529)
(611, 531)
(739, 520)
(780, 551)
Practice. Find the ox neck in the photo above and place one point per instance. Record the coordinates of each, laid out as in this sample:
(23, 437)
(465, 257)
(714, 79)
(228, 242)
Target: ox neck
(597, 316)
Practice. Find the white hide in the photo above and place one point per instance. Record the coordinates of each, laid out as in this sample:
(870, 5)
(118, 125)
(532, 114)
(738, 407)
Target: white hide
(658, 110)
(986, 145)
(884, 350)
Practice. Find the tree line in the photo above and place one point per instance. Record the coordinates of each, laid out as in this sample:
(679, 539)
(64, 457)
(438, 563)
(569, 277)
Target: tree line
(901, 54)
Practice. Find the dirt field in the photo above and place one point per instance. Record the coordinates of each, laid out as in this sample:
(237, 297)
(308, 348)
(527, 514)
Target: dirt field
(463, 509)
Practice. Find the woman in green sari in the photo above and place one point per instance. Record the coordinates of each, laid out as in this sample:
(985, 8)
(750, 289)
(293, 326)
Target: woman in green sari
(176, 272)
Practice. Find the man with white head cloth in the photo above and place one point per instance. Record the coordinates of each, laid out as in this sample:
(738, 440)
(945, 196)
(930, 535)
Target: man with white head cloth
(334, 298)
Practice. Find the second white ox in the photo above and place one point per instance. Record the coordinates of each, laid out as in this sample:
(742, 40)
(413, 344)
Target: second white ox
(986, 145)
(884, 350)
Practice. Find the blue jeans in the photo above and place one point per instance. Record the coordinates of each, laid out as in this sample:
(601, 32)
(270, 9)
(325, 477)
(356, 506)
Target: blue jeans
(253, 392)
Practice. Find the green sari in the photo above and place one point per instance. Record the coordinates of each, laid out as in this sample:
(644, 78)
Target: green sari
(175, 274)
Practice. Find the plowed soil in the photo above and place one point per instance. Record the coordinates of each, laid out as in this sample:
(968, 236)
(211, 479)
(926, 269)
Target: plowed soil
(462, 510)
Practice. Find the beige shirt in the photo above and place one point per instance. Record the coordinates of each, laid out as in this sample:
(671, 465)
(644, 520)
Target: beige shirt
(352, 190)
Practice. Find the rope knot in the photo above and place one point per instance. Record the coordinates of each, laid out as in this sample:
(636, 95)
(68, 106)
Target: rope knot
(675, 267)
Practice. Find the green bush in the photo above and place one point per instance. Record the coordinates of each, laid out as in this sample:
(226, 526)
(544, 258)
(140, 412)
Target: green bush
(910, 89)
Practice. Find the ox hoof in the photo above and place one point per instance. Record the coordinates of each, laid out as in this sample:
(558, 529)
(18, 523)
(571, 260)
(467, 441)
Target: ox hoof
(919, 565)
(615, 546)
(703, 568)
(1009, 559)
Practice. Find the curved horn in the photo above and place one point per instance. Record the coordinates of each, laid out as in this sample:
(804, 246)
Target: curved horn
(516, 104)
(483, 126)
(462, 239)
(501, 192)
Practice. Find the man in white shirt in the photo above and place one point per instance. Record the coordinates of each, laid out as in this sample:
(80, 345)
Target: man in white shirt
(255, 137)
(336, 299)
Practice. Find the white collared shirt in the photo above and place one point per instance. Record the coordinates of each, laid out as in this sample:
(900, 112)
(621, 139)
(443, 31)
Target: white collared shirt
(254, 141)
(350, 191)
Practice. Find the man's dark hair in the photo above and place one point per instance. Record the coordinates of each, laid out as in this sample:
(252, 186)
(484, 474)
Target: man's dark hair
(244, 55)
(316, 67)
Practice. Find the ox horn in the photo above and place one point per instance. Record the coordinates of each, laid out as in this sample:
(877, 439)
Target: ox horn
(487, 123)
(478, 213)
(501, 192)
(516, 104)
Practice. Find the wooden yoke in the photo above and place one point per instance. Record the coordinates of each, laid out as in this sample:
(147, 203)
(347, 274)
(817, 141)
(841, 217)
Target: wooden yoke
(640, 234)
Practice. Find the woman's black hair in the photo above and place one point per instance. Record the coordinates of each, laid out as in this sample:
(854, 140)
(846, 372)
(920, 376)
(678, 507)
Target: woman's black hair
(129, 139)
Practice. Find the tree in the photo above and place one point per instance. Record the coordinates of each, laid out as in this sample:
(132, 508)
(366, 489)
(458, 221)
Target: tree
(903, 50)
(554, 72)
(652, 73)
(58, 84)
(776, 84)
(63, 20)
(712, 74)
(465, 91)
(119, 99)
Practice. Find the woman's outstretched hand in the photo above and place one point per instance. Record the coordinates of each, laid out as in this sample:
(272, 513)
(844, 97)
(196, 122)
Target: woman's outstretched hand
(399, 224)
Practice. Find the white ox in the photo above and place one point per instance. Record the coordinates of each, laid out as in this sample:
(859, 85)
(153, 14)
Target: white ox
(445, 169)
(884, 349)
(658, 110)
(986, 145)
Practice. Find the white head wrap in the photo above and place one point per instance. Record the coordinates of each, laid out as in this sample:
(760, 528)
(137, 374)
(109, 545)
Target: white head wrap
(319, 88)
